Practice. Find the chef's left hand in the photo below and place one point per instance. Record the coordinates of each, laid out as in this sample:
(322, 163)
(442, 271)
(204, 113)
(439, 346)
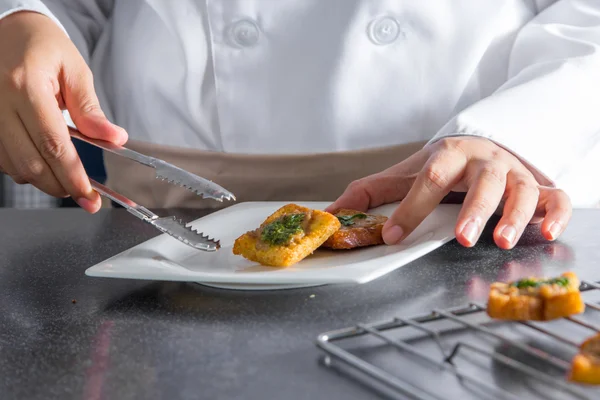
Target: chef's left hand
(491, 177)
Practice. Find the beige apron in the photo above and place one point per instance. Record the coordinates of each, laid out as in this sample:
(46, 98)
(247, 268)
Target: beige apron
(314, 177)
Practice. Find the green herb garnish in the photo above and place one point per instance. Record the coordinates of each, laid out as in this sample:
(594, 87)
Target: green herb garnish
(527, 282)
(348, 220)
(281, 230)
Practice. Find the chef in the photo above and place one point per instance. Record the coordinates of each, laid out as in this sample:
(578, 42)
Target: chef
(360, 102)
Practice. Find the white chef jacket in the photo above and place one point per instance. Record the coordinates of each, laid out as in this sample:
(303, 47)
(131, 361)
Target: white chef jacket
(305, 76)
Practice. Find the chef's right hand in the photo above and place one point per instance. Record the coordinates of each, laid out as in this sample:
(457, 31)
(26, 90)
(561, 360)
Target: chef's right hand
(42, 73)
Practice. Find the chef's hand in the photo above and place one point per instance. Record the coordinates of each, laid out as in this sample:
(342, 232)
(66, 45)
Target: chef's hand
(491, 177)
(41, 72)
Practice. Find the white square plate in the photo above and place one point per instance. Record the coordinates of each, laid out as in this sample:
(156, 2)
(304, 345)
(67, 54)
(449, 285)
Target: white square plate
(164, 258)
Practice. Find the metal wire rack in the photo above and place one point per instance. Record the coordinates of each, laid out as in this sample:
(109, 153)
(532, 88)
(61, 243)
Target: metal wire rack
(529, 360)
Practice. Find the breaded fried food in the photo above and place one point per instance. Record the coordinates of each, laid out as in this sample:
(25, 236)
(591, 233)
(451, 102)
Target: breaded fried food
(585, 367)
(358, 230)
(536, 299)
(287, 236)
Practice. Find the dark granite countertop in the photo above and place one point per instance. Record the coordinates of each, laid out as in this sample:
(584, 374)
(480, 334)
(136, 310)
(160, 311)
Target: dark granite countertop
(127, 339)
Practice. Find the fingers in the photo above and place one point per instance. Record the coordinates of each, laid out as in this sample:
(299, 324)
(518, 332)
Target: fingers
(481, 201)
(34, 85)
(558, 209)
(528, 203)
(443, 170)
(80, 99)
(24, 161)
(48, 131)
(522, 196)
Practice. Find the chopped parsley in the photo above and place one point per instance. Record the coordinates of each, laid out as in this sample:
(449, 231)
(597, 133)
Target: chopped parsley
(348, 220)
(527, 282)
(282, 229)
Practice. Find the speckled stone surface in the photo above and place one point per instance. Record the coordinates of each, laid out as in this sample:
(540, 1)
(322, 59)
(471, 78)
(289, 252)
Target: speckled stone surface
(125, 339)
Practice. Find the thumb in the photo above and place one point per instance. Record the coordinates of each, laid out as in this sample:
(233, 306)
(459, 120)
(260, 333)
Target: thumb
(387, 186)
(83, 106)
(373, 191)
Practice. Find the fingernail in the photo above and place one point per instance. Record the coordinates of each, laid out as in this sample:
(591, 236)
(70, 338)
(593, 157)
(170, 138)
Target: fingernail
(509, 233)
(87, 204)
(393, 234)
(555, 230)
(471, 230)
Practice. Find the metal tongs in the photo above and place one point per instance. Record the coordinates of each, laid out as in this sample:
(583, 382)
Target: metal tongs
(172, 174)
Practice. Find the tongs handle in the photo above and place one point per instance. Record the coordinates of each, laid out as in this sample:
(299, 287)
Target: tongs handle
(113, 148)
(139, 211)
(164, 170)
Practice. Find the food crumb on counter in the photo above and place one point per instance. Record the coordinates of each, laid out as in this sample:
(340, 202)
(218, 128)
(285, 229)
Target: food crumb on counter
(312, 296)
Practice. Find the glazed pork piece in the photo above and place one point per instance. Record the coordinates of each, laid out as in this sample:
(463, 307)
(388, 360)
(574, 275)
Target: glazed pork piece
(357, 229)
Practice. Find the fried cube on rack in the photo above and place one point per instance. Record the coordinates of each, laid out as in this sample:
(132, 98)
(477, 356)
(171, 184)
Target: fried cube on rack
(536, 299)
(358, 230)
(287, 236)
(585, 367)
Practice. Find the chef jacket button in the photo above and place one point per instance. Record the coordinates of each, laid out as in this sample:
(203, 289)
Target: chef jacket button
(244, 33)
(384, 30)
